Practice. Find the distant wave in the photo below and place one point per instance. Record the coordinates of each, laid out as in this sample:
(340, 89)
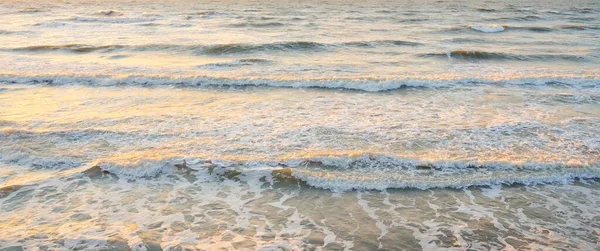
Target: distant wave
(368, 85)
(257, 24)
(485, 10)
(246, 48)
(149, 24)
(579, 27)
(237, 63)
(518, 18)
(108, 13)
(381, 42)
(584, 10)
(199, 49)
(412, 20)
(582, 19)
(487, 28)
(295, 46)
(367, 172)
(540, 29)
(217, 49)
(500, 28)
(79, 48)
(30, 10)
(494, 28)
(111, 19)
(483, 55)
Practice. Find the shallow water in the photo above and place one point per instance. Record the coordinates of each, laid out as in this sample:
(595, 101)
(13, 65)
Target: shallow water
(391, 125)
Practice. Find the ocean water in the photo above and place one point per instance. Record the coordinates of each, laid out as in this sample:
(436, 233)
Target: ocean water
(299, 125)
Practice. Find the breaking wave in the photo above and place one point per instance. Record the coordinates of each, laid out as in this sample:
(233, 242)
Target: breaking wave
(368, 172)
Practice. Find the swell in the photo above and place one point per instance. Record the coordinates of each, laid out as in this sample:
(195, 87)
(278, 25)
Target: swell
(217, 49)
(367, 85)
(484, 55)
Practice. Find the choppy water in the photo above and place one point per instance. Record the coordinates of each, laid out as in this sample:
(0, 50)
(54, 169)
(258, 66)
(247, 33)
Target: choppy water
(393, 125)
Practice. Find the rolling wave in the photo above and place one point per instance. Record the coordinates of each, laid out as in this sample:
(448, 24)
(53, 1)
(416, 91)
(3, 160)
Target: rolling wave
(237, 63)
(77, 48)
(494, 28)
(381, 42)
(339, 174)
(487, 28)
(216, 49)
(539, 29)
(485, 10)
(108, 13)
(368, 85)
(247, 48)
(484, 55)
(30, 10)
(113, 19)
(579, 27)
(518, 18)
(199, 49)
(257, 24)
